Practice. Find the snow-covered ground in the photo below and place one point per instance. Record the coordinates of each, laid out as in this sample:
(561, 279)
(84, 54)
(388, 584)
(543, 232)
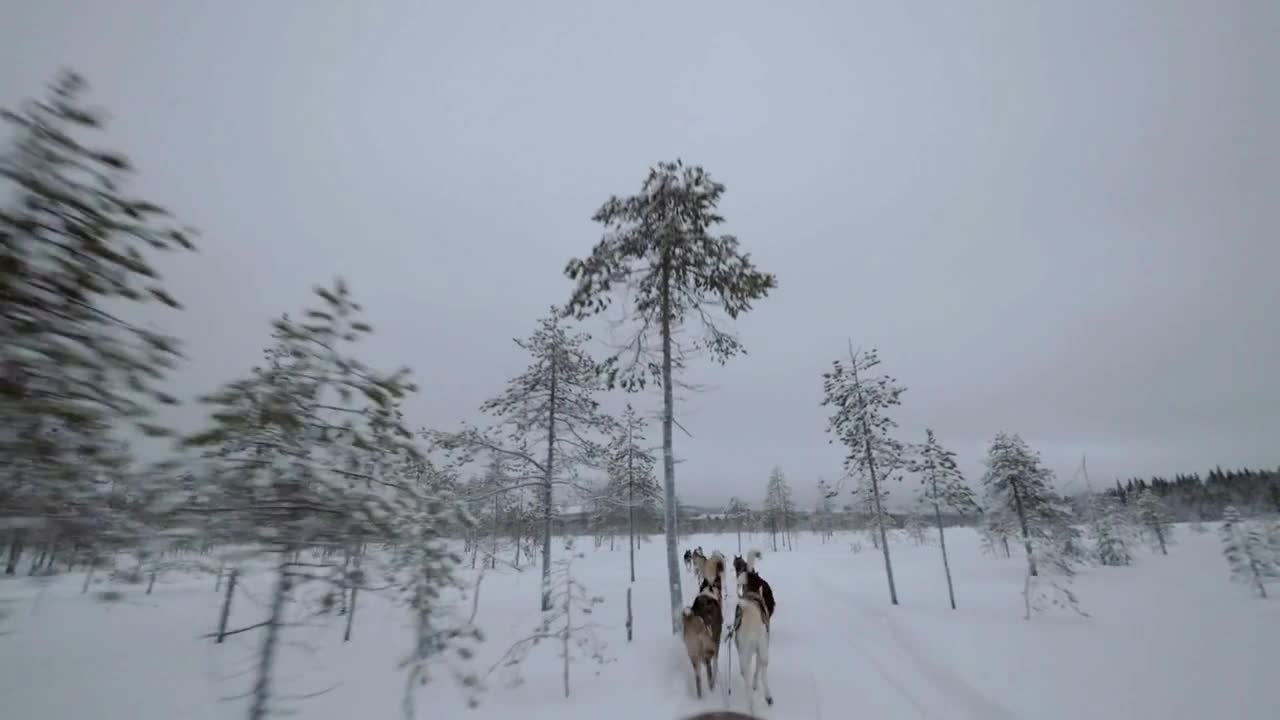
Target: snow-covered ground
(1167, 638)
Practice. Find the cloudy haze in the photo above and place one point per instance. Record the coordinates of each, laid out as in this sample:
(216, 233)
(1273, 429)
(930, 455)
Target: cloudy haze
(1058, 221)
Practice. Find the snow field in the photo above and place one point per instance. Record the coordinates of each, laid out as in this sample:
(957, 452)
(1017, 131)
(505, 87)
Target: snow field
(1168, 638)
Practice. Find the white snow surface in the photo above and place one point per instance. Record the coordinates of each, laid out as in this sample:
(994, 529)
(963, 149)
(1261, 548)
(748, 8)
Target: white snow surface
(1168, 638)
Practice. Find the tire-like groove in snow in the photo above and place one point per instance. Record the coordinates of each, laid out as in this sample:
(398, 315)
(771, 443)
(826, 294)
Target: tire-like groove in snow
(947, 683)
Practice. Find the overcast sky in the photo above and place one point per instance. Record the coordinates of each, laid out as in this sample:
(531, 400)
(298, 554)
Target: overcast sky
(1056, 219)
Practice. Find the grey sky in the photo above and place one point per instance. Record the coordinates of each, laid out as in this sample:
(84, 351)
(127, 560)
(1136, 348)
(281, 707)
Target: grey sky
(1057, 219)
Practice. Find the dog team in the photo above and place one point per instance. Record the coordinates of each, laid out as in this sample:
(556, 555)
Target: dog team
(702, 622)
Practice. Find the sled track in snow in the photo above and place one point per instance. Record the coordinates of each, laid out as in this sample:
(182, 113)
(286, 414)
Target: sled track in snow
(970, 700)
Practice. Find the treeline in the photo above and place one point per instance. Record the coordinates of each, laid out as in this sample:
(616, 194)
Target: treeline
(1190, 497)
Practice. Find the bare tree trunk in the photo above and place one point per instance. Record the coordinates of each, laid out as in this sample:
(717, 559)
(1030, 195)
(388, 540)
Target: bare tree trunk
(884, 540)
(568, 624)
(259, 709)
(15, 553)
(631, 521)
(519, 533)
(37, 562)
(351, 614)
(88, 576)
(1026, 534)
(942, 542)
(346, 576)
(226, 605)
(668, 457)
(546, 492)
(152, 583)
(1026, 591)
(493, 559)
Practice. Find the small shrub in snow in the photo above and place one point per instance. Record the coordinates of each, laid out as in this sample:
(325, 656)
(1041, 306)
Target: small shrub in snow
(915, 529)
(570, 600)
(109, 596)
(1111, 531)
(1251, 550)
(1050, 587)
(1155, 521)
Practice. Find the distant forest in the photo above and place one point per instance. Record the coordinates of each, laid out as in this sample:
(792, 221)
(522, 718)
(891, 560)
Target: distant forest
(1190, 497)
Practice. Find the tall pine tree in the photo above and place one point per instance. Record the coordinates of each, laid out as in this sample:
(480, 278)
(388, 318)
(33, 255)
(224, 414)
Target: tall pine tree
(313, 446)
(860, 420)
(779, 507)
(943, 486)
(660, 248)
(551, 421)
(76, 249)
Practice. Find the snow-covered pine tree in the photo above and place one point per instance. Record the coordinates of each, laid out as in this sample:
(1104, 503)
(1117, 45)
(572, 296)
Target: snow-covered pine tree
(997, 527)
(76, 249)
(738, 514)
(495, 503)
(824, 512)
(428, 568)
(1016, 482)
(1154, 519)
(865, 497)
(860, 405)
(779, 507)
(943, 486)
(551, 421)
(1051, 585)
(1109, 525)
(1249, 552)
(659, 248)
(314, 438)
(633, 485)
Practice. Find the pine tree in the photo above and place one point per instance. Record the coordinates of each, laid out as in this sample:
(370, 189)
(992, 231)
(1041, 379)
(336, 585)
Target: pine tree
(739, 515)
(311, 443)
(1109, 526)
(76, 248)
(633, 485)
(659, 247)
(778, 506)
(996, 529)
(550, 406)
(867, 497)
(1050, 586)
(1154, 520)
(824, 511)
(1249, 552)
(428, 567)
(1017, 483)
(943, 485)
(860, 404)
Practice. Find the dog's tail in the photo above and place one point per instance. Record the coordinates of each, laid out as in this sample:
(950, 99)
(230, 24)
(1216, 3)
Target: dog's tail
(683, 614)
(753, 556)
